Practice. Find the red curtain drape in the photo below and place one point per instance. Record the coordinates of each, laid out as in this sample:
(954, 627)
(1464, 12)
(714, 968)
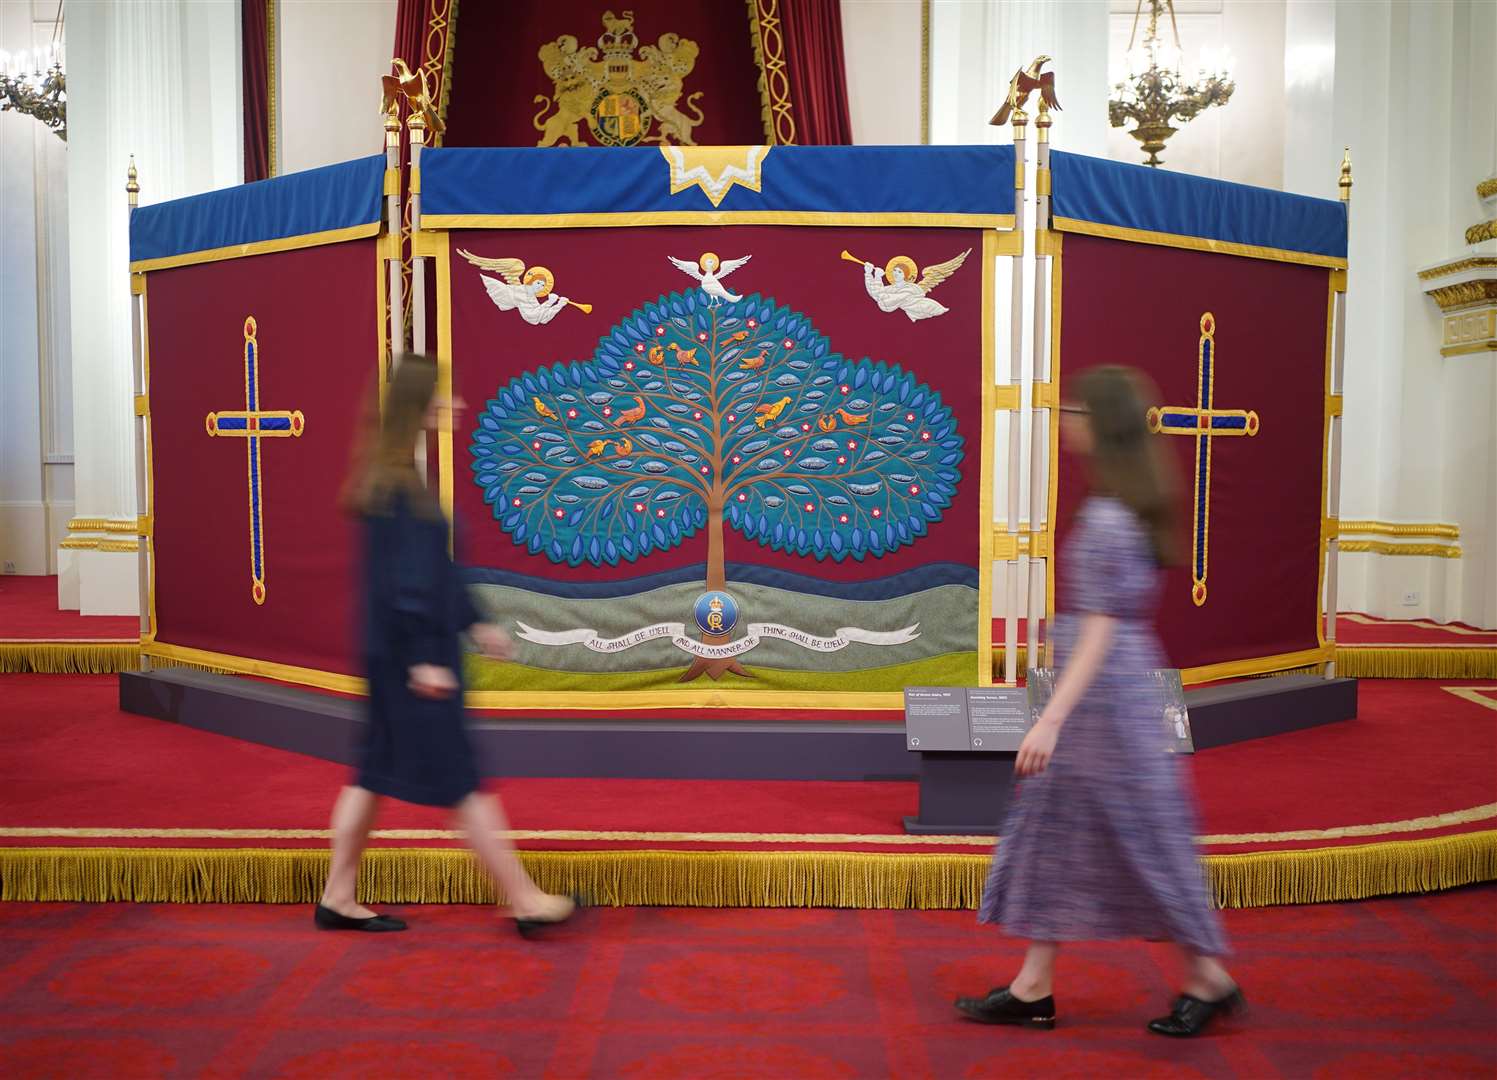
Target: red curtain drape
(818, 75)
(255, 38)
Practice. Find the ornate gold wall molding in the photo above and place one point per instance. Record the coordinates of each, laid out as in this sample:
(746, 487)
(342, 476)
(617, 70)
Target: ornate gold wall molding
(1399, 528)
(1476, 262)
(1383, 547)
(1482, 231)
(128, 526)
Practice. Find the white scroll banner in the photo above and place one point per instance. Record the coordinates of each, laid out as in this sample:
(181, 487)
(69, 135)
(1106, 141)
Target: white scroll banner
(755, 633)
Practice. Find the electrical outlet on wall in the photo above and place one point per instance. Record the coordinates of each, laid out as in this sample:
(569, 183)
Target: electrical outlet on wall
(1410, 599)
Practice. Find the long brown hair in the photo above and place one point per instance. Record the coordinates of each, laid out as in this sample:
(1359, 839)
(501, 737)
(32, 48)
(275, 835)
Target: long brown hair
(1126, 461)
(384, 457)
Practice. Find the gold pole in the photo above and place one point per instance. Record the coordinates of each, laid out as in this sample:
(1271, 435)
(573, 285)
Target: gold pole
(1333, 462)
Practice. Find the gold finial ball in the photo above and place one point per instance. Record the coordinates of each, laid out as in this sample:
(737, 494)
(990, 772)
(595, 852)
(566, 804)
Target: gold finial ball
(132, 178)
(1345, 182)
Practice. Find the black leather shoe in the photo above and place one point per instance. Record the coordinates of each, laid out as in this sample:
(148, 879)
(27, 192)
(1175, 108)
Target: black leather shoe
(328, 919)
(1191, 1015)
(530, 928)
(1001, 1007)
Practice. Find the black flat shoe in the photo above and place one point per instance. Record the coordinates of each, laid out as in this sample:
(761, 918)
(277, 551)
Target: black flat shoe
(1191, 1015)
(530, 928)
(1001, 1007)
(328, 919)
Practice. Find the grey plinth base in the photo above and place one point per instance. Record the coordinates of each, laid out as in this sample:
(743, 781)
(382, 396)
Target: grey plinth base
(328, 727)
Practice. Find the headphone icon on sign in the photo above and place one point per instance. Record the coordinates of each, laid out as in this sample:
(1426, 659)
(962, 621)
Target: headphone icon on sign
(976, 742)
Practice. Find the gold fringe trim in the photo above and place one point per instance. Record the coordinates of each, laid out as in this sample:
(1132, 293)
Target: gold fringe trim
(701, 878)
(69, 657)
(1378, 662)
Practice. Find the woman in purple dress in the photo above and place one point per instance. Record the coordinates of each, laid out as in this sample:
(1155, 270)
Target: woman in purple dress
(1100, 844)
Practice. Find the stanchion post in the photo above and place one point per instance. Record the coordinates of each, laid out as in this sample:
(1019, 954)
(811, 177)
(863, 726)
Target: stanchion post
(1333, 459)
(142, 418)
(1042, 395)
(1015, 426)
(395, 290)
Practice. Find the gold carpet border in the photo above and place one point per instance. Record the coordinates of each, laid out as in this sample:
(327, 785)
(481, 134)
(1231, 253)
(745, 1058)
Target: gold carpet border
(1419, 824)
(701, 878)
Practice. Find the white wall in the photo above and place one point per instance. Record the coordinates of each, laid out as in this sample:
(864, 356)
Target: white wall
(1410, 87)
(332, 54)
(881, 51)
(35, 384)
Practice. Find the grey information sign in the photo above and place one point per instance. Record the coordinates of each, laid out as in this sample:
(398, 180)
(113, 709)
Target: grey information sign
(998, 717)
(935, 718)
(1175, 717)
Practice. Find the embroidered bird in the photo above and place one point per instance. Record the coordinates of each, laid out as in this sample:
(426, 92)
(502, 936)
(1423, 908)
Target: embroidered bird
(740, 336)
(624, 446)
(542, 409)
(852, 419)
(656, 355)
(629, 416)
(826, 423)
(770, 413)
(753, 363)
(709, 271)
(685, 356)
(597, 446)
(1025, 82)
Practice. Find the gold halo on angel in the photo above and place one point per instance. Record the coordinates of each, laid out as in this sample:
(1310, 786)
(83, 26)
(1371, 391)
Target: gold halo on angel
(531, 292)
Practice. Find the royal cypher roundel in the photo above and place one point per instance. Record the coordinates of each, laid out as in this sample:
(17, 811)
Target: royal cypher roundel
(689, 415)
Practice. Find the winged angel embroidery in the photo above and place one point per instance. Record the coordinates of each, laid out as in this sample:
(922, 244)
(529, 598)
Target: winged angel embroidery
(896, 287)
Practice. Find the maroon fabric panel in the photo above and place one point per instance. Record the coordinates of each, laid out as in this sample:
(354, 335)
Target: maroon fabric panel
(818, 77)
(410, 20)
(495, 90)
(617, 270)
(253, 15)
(318, 350)
(1141, 305)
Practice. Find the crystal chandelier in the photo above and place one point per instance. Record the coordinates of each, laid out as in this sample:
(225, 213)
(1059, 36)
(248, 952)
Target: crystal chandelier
(1155, 93)
(34, 84)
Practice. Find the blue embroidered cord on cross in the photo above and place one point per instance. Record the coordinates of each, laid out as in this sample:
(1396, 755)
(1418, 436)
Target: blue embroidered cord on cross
(1204, 422)
(252, 424)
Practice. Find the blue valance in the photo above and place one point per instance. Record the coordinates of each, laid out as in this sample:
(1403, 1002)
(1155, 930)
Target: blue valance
(528, 187)
(1136, 202)
(334, 202)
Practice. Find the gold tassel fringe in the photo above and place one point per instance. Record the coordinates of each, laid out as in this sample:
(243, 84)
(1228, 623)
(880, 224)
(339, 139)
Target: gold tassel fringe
(702, 878)
(1374, 662)
(69, 657)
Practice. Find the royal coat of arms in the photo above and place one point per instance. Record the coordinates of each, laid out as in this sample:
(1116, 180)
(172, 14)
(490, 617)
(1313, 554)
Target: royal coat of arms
(624, 99)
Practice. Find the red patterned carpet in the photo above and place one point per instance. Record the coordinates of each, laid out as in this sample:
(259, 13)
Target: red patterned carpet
(1384, 988)
(28, 612)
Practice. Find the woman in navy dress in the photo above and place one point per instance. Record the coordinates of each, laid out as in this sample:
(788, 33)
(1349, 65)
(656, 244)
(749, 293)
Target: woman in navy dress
(416, 746)
(1099, 844)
